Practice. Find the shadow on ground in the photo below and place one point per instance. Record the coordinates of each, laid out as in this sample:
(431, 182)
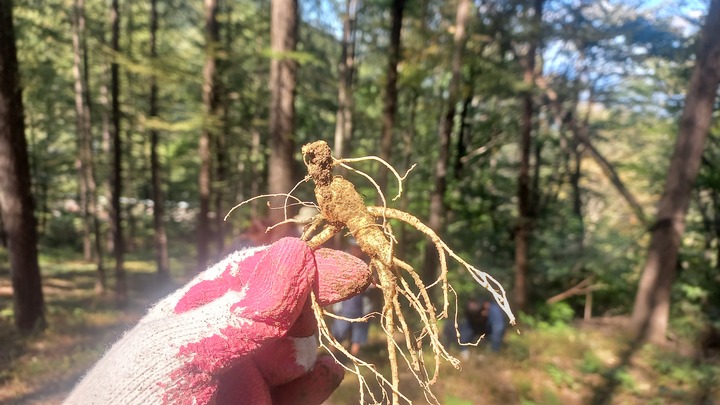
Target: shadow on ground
(42, 368)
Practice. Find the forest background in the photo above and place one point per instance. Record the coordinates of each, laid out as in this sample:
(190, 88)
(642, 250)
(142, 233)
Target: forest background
(545, 136)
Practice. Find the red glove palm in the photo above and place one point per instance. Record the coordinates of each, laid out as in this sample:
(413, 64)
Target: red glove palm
(242, 332)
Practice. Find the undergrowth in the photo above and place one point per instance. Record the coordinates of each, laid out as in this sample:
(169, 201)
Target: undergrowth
(554, 360)
(557, 361)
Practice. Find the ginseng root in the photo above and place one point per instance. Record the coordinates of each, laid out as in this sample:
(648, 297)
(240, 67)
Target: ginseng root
(342, 207)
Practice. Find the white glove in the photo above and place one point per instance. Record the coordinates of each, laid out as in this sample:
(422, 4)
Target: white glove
(242, 332)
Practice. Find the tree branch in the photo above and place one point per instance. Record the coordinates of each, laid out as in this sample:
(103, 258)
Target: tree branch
(614, 178)
(580, 288)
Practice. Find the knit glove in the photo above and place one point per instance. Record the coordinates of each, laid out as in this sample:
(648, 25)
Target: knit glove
(242, 332)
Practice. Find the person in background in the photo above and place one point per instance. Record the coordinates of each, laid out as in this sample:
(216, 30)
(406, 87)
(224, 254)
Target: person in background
(496, 324)
(355, 307)
(356, 332)
(304, 217)
(481, 318)
(257, 233)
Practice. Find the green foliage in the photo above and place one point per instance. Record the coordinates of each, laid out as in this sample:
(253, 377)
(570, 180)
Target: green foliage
(549, 317)
(591, 363)
(62, 231)
(627, 381)
(631, 61)
(7, 313)
(557, 314)
(684, 372)
(518, 346)
(451, 400)
(560, 376)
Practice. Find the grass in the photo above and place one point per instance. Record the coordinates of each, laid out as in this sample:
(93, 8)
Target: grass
(569, 364)
(561, 363)
(42, 368)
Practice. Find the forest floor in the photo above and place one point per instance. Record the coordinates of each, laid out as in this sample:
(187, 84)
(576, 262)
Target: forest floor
(587, 362)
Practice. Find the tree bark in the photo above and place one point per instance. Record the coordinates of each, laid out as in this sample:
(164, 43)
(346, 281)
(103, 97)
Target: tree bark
(525, 220)
(346, 71)
(391, 92)
(460, 144)
(283, 67)
(582, 138)
(78, 32)
(133, 168)
(106, 143)
(3, 234)
(445, 128)
(583, 287)
(575, 177)
(84, 162)
(116, 222)
(407, 148)
(160, 237)
(716, 226)
(221, 182)
(652, 302)
(16, 203)
(221, 154)
(210, 104)
(257, 172)
(39, 187)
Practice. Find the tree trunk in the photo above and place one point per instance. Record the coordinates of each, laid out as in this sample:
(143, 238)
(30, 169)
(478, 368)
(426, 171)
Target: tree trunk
(257, 170)
(40, 192)
(582, 139)
(652, 302)
(84, 162)
(445, 128)
(524, 226)
(460, 146)
(160, 237)
(3, 233)
(221, 182)
(575, 177)
(78, 32)
(16, 204)
(587, 313)
(535, 188)
(283, 41)
(716, 226)
(116, 221)
(212, 41)
(106, 143)
(134, 168)
(391, 92)
(346, 70)
(35, 186)
(408, 138)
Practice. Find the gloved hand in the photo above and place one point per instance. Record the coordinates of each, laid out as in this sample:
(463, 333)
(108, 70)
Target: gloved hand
(242, 332)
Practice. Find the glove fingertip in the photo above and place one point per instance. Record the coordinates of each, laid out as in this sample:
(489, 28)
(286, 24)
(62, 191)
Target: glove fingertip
(280, 283)
(314, 387)
(340, 276)
(244, 386)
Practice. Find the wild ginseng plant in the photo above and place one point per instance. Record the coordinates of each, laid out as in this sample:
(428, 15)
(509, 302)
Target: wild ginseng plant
(341, 207)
